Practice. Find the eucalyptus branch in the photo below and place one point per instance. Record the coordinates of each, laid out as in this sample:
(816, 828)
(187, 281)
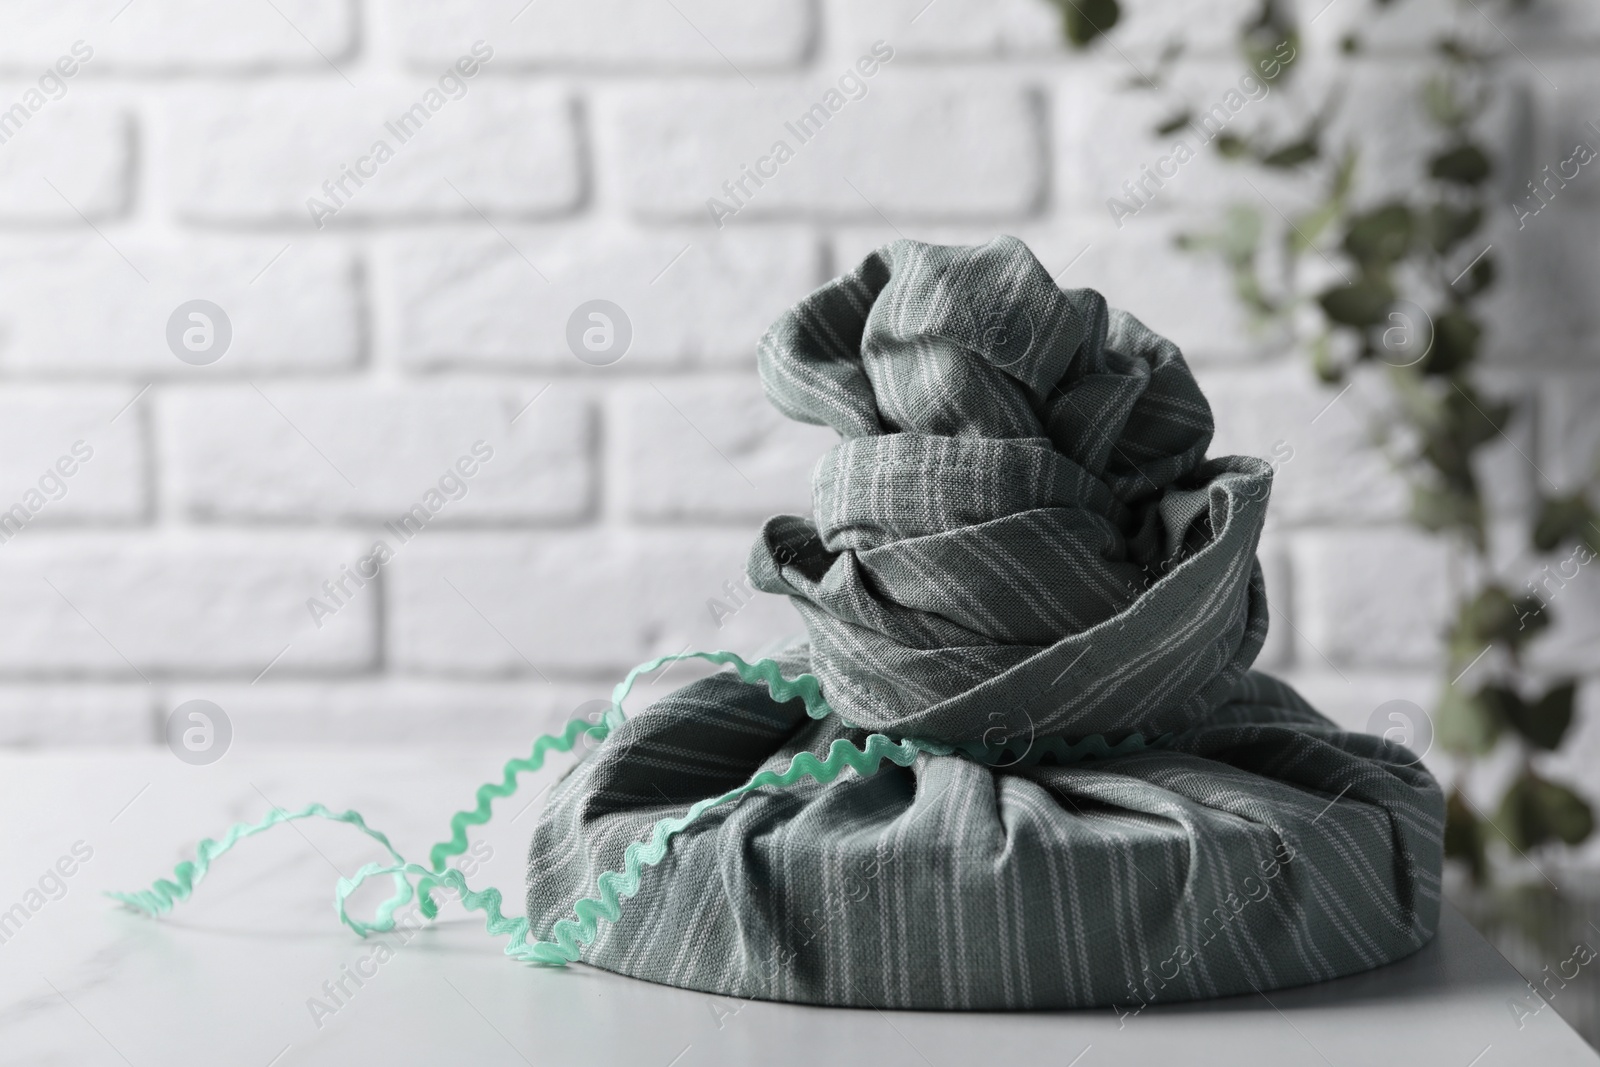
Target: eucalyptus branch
(1410, 299)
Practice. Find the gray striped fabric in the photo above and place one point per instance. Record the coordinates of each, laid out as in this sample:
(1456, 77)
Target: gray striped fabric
(1018, 538)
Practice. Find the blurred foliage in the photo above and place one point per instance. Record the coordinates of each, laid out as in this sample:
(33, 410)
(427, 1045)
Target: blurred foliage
(1412, 270)
(1085, 20)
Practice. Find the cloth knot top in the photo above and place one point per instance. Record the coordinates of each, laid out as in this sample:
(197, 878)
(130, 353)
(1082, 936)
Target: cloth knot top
(1019, 535)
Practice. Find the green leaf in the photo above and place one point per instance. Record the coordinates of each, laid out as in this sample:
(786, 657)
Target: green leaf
(1327, 369)
(1463, 837)
(1241, 231)
(1568, 815)
(1544, 722)
(1344, 177)
(1175, 123)
(1307, 228)
(1459, 51)
(1465, 164)
(1231, 146)
(1531, 618)
(1489, 616)
(1562, 519)
(1264, 38)
(1494, 616)
(1291, 155)
(1536, 811)
(1084, 20)
(1502, 699)
(1362, 303)
(1455, 343)
(1310, 225)
(1443, 106)
(1476, 418)
(1520, 818)
(1438, 509)
(1479, 277)
(1444, 225)
(1379, 237)
(1454, 428)
(1467, 724)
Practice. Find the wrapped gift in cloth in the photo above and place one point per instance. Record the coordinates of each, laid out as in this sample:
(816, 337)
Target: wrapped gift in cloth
(1020, 759)
(1041, 771)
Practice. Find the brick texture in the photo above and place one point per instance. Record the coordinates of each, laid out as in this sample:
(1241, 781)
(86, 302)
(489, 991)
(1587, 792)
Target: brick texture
(722, 36)
(72, 306)
(260, 155)
(717, 450)
(1372, 598)
(894, 151)
(81, 451)
(65, 162)
(591, 601)
(328, 452)
(144, 607)
(177, 36)
(504, 302)
(211, 544)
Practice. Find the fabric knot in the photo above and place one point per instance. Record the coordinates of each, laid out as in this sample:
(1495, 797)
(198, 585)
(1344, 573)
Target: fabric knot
(1019, 534)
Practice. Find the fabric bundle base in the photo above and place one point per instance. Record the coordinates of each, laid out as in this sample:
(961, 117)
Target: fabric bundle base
(1264, 848)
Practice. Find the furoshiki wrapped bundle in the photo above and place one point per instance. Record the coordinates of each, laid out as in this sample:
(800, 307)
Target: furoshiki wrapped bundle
(1045, 774)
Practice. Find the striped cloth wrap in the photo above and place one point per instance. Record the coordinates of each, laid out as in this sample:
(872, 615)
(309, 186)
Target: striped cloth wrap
(1021, 560)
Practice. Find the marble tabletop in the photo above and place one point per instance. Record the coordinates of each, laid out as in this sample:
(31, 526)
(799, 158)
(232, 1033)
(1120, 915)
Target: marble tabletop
(256, 971)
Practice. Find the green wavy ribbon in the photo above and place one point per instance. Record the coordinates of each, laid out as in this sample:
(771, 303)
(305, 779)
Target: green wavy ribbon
(489, 792)
(568, 936)
(165, 894)
(805, 686)
(613, 887)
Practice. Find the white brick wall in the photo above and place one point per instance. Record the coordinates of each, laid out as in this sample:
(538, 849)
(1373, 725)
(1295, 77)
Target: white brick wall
(611, 35)
(1374, 597)
(673, 147)
(255, 156)
(713, 448)
(335, 451)
(72, 306)
(178, 36)
(501, 301)
(431, 310)
(71, 161)
(148, 604)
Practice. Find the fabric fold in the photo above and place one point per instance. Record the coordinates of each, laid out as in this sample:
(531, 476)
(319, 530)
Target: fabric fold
(1019, 468)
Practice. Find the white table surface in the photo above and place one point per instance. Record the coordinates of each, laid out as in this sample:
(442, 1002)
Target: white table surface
(226, 978)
